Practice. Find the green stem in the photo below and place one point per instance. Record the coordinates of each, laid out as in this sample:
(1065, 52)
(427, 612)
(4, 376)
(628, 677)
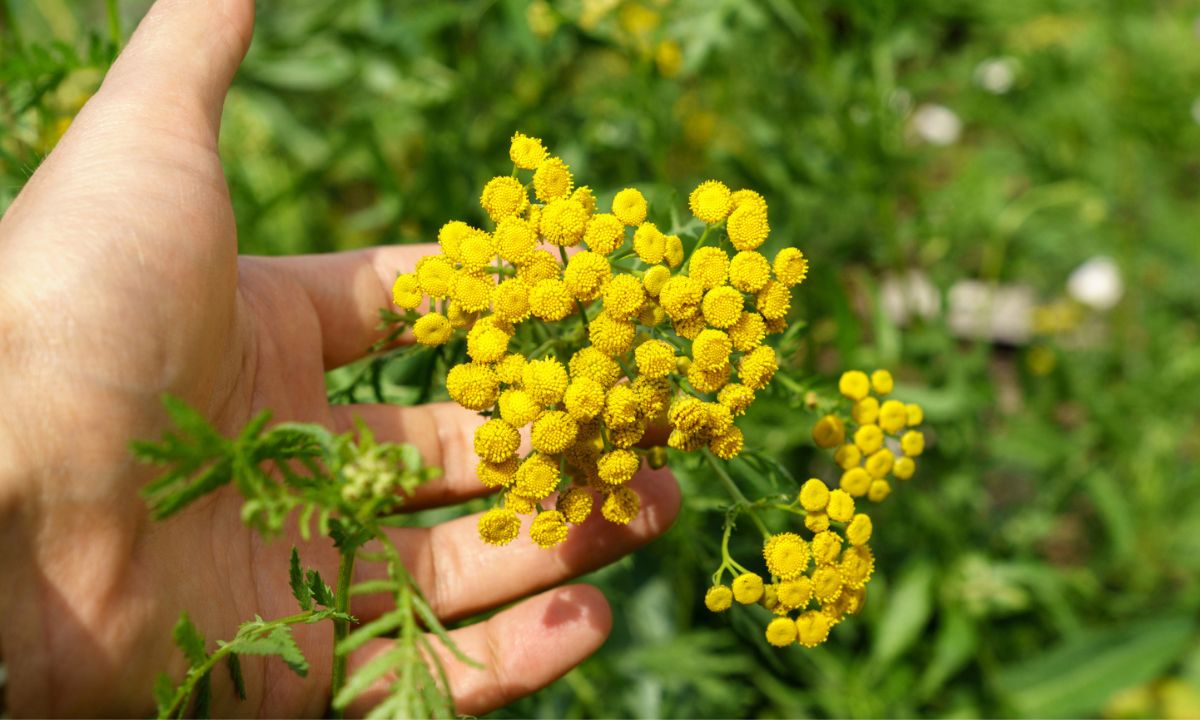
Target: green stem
(114, 23)
(341, 628)
(738, 498)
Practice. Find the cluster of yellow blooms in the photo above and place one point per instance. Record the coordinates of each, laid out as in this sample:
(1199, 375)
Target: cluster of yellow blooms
(656, 336)
(833, 567)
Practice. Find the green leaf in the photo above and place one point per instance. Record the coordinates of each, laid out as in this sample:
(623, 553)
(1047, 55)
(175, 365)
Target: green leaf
(907, 609)
(235, 674)
(1080, 675)
(277, 642)
(376, 628)
(366, 675)
(203, 706)
(953, 647)
(164, 693)
(190, 640)
(320, 592)
(300, 590)
(434, 625)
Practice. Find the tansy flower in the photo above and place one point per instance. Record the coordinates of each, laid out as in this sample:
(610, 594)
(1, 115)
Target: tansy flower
(786, 555)
(496, 441)
(610, 335)
(879, 490)
(816, 522)
(509, 369)
(865, 411)
(545, 380)
(727, 445)
(591, 363)
(553, 432)
(709, 266)
(477, 251)
(708, 380)
(868, 438)
(749, 272)
(904, 468)
(649, 243)
(450, 238)
(626, 436)
(840, 507)
(747, 588)
(747, 227)
(655, 358)
(812, 628)
(406, 292)
(472, 385)
(893, 416)
(510, 300)
(575, 504)
(652, 395)
(620, 407)
(689, 327)
(563, 222)
(791, 267)
(617, 467)
(854, 384)
(526, 152)
(915, 414)
(586, 275)
(623, 297)
(552, 180)
(710, 201)
(434, 275)
(826, 546)
(621, 506)
(604, 234)
(487, 343)
(722, 306)
(584, 398)
(458, 317)
(881, 381)
(674, 251)
(774, 301)
(748, 198)
(855, 481)
(503, 196)
(432, 329)
(519, 505)
(857, 565)
(912, 443)
(515, 239)
(719, 598)
(536, 478)
(829, 432)
(549, 528)
(858, 532)
(827, 583)
(748, 332)
(781, 632)
(495, 475)
(814, 495)
(629, 206)
(757, 367)
(880, 463)
(550, 300)
(585, 197)
(654, 279)
(472, 292)
(711, 349)
(847, 456)
(680, 297)
(736, 397)
(539, 265)
(794, 594)
(499, 526)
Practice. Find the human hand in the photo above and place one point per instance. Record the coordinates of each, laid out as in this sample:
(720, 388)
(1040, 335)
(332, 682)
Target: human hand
(120, 281)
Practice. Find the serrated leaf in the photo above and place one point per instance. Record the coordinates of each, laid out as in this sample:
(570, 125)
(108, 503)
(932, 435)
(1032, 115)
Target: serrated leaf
(364, 634)
(203, 705)
(321, 592)
(190, 640)
(164, 692)
(235, 674)
(300, 589)
(366, 675)
(281, 642)
(434, 625)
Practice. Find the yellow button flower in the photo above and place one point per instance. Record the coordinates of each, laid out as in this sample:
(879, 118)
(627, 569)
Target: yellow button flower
(881, 381)
(604, 234)
(655, 358)
(450, 238)
(747, 227)
(434, 275)
(585, 197)
(472, 385)
(432, 329)
(621, 506)
(710, 201)
(915, 414)
(757, 367)
(623, 297)
(674, 251)
(880, 463)
(722, 306)
(774, 301)
(748, 332)
(510, 369)
(868, 438)
(609, 335)
(487, 343)
(781, 632)
(857, 565)
(654, 279)
(510, 300)
(904, 468)
(728, 444)
(536, 478)
(617, 467)
(539, 265)
(548, 529)
(790, 266)
(829, 432)
(826, 546)
(794, 594)
(816, 522)
(550, 300)
(893, 416)
(865, 411)
(913, 443)
(855, 481)
(526, 152)
(827, 583)
(545, 380)
(841, 506)
(499, 526)
(552, 180)
(749, 272)
(858, 532)
(854, 384)
(848, 456)
(406, 292)
(708, 380)
(591, 363)
(503, 196)
(814, 495)
(747, 588)
(586, 275)
(496, 475)
(629, 206)
(879, 491)
(584, 398)
(711, 349)
(736, 397)
(575, 504)
(812, 628)
(563, 222)
(786, 555)
(620, 407)
(680, 297)
(649, 243)
(496, 441)
(472, 292)
(709, 266)
(719, 598)
(553, 432)
(515, 239)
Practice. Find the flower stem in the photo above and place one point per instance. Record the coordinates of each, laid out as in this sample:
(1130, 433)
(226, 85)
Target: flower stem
(739, 499)
(341, 628)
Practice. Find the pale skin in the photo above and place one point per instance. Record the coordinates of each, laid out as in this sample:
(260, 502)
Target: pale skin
(120, 281)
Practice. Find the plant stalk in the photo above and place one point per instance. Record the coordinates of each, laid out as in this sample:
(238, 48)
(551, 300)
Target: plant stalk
(341, 628)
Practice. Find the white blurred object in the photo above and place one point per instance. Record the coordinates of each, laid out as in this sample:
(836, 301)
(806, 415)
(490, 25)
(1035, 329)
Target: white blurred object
(909, 296)
(983, 311)
(996, 75)
(1196, 111)
(937, 124)
(1097, 283)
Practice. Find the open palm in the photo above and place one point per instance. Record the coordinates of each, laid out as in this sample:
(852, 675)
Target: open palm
(119, 281)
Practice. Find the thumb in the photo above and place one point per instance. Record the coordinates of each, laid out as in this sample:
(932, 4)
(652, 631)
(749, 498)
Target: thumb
(180, 61)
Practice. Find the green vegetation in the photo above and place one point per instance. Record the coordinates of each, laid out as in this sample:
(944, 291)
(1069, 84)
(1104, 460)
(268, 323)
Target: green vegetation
(1045, 561)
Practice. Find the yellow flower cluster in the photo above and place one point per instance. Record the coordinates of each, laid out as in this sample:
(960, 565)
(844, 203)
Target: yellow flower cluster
(878, 439)
(649, 335)
(816, 582)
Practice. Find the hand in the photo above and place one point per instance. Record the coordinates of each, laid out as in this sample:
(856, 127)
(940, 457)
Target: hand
(119, 281)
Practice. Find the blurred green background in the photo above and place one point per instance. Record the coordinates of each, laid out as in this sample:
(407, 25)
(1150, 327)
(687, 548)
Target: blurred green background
(948, 165)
